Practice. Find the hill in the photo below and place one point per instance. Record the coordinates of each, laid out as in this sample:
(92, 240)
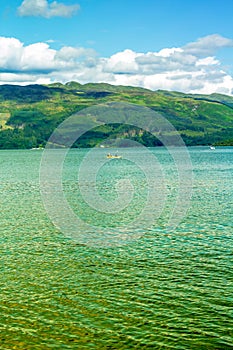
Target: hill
(29, 114)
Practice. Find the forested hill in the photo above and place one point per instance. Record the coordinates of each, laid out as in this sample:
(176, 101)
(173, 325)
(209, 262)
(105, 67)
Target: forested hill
(29, 114)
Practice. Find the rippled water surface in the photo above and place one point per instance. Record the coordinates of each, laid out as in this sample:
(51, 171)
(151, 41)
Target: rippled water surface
(166, 290)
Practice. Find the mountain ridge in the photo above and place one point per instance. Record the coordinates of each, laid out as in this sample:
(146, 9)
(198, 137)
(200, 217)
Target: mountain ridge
(29, 114)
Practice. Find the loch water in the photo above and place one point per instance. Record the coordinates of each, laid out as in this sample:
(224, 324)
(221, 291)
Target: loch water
(167, 289)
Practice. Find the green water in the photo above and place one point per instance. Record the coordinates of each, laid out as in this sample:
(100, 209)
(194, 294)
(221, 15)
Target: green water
(166, 290)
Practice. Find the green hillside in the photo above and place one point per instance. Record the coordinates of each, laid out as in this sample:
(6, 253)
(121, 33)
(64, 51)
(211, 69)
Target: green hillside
(29, 114)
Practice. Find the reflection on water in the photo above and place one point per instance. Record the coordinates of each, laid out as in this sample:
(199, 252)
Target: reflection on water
(167, 290)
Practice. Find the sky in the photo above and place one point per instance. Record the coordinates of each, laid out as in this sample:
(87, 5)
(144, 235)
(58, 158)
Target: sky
(176, 45)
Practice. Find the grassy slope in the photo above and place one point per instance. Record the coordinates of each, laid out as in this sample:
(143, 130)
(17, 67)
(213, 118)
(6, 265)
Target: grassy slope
(32, 112)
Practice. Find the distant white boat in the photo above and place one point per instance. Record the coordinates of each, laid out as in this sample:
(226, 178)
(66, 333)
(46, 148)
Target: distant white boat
(212, 147)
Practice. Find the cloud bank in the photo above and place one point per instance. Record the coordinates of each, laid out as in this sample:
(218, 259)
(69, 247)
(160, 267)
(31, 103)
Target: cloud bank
(41, 8)
(192, 68)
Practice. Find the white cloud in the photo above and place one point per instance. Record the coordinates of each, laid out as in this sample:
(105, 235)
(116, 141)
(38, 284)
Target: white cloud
(42, 8)
(122, 63)
(208, 45)
(10, 53)
(168, 51)
(72, 54)
(207, 61)
(181, 69)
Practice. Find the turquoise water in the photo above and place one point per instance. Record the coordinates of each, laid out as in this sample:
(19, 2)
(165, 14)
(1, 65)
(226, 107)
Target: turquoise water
(166, 290)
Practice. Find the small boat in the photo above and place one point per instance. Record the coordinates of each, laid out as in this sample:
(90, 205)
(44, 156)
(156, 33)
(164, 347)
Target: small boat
(212, 147)
(36, 148)
(113, 156)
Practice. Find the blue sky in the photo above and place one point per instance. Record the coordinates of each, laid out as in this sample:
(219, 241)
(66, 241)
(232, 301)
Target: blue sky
(175, 45)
